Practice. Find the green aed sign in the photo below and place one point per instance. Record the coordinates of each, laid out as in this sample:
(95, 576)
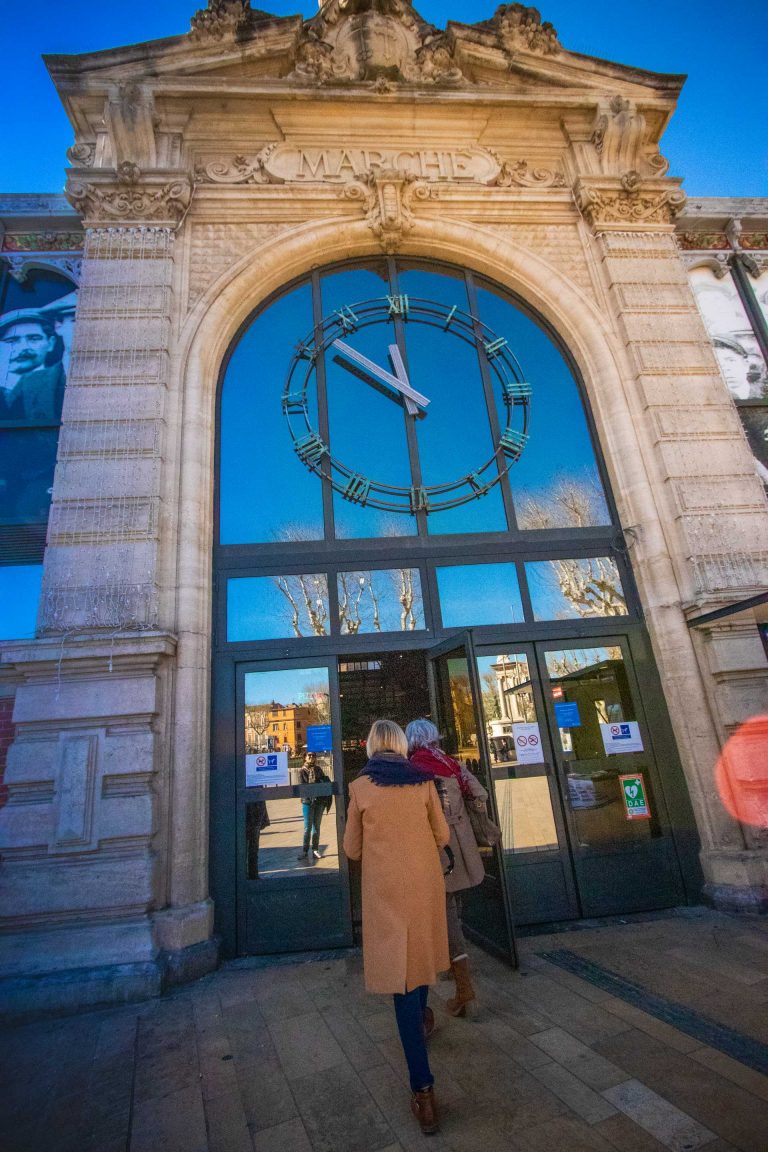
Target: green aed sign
(635, 799)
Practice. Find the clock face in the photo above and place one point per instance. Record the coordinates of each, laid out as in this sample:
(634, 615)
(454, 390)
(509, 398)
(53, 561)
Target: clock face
(369, 341)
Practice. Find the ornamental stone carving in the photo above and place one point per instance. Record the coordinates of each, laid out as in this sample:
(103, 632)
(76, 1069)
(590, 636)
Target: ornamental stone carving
(21, 264)
(518, 173)
(388, 195)
(630, 203)
(374, 40)
(717, 262)
(82, 155)
(521, 29)
(620, 137)
(129, 196)
(224, 18)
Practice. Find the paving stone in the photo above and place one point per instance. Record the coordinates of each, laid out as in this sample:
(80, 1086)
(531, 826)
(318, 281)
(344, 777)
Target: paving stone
(353, 1038)
(227, 1125)
(662, 1031)
(579, 1059)
(339, 1113)
(393, 1097)
(574, 1092)
(266, 1095)
(166, 1053)
(565, 1133)
(588, 1021)
(499, 1033)
(305, 1044)
(173, 1123)
(734, 1070)
(671, 1127)
(626, 1136)
(289, 1137)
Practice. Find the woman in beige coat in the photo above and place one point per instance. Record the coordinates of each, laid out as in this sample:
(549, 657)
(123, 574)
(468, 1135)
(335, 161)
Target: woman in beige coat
(395, 825)
(456, 787)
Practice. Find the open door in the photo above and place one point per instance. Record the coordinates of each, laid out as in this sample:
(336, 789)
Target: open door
(456, 700)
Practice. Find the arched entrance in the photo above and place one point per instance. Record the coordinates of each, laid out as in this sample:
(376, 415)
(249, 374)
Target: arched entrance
(412, 517)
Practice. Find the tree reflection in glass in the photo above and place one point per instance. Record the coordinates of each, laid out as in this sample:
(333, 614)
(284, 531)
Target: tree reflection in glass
(386, 601)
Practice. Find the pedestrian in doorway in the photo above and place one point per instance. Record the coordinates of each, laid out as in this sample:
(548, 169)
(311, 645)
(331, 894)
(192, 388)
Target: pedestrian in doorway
(395, 825)
(456, 786)
(313, 807)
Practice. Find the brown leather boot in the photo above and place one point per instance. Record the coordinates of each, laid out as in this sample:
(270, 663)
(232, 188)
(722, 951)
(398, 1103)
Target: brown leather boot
(457, 1005)
(424, 1108)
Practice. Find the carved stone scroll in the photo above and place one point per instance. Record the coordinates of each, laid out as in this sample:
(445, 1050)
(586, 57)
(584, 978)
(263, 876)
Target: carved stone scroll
(612, 205)
(518, 173)
(130, 196)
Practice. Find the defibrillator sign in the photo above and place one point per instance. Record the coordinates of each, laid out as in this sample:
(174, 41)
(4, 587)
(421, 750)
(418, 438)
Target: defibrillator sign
(635, 798)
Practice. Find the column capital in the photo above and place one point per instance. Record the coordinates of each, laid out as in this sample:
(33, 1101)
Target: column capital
(129, 196)
(629, 202)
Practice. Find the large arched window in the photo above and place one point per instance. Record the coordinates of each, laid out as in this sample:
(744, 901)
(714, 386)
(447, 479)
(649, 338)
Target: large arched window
(410, 408)
(36, 324)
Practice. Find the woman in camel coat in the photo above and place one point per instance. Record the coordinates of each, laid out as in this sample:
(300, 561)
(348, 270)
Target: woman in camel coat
(395, 825)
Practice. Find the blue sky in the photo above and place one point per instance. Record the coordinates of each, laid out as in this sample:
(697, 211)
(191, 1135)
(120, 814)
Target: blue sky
(717, 140)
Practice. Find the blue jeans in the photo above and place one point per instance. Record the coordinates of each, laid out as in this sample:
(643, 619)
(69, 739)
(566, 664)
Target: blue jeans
(313, 815)
(409, 1010)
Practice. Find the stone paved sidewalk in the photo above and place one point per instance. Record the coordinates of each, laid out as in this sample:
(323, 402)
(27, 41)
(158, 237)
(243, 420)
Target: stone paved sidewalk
(620, 1038)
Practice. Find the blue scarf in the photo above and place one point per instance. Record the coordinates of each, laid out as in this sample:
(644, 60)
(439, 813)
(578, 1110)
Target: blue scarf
(392, 771)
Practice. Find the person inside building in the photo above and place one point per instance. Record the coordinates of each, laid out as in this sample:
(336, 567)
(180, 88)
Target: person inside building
(395, 825)
(313, 807)
(456, 786)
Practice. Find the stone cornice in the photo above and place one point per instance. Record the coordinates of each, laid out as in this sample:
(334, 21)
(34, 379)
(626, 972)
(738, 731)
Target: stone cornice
(629, 203)
(129, 196)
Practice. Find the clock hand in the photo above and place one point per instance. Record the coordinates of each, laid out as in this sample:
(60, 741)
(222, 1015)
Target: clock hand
(394, 352)
(399, 385)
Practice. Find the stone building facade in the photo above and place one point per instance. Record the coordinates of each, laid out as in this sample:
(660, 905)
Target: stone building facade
(208, 171)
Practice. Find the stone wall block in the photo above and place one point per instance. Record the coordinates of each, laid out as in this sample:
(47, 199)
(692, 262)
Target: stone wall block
(118, 518)
(645, 273)
(665, 389)
(111, 403)
(77, 886)
(657, 299)
(27, 822)
(77, 783)
(105, 697)
(703, 493)
(669, 327)
(699, 423)
(106, 440)
(120, 333)
(660, 356)
(123, 478)
(722, 458)
(114, 299)
(121, 366)
(123, 273)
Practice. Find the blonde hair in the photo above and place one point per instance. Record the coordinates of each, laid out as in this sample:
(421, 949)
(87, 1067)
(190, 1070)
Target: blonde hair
(386, 736)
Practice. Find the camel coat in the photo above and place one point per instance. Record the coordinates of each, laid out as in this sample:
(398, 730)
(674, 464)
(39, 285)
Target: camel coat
(396, 833)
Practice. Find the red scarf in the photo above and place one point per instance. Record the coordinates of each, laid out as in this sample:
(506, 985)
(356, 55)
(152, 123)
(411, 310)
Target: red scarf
(438, 763)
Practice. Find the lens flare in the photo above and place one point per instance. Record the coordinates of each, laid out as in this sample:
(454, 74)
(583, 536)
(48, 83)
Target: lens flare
(742, 773)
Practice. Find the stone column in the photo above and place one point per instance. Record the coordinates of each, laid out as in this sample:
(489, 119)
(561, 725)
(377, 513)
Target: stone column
(712, 508)
(85, 834)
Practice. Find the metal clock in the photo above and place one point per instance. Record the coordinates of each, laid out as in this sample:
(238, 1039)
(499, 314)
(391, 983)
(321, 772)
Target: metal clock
(499, 365)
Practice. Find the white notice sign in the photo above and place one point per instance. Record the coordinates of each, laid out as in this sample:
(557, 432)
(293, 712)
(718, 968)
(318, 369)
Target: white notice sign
(266, 769)
(621, 737)
(527, 739)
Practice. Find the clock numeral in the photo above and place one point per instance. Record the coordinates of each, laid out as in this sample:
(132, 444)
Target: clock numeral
(450, 317)
(494, 348)
(357, 490)
(294, 402)
(398, 306)
(311, 449)
(515, 390)
(476, 484)
(347, 318)
(512, 443)
(305, 353)
(419, 500)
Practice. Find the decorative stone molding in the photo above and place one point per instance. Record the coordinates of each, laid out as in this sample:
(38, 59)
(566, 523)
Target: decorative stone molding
(700, 241)
(21, 264)
(610, 205)
(239, 170)
(224, 18)
(82, 155)
(388, 196)
(42, 242)
(521, 29)
(620, 138)
(717, 262)
(374, 40)
(130, 196)
(517, 173)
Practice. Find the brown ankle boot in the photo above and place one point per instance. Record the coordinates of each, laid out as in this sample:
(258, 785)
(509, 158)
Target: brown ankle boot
(424, 1108)
(464, 990)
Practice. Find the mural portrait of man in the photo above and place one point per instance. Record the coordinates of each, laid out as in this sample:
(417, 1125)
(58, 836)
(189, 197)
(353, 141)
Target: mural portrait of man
(33, 388)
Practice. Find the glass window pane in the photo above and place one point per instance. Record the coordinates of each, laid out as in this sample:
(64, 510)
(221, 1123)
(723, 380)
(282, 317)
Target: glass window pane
(36, 328)
(367, 423)
(386, 601)
(573, 589)
(296, 834)
(473, 594)
(277, 607)
(591, 693)
(19, 599)
(27, 463)
(257, 455)
(522, 789)
(555, 482)
(445, 367)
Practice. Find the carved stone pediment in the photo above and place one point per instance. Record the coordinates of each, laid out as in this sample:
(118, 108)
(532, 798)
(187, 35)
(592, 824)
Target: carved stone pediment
(620, 136)
(129, 196)
(520, 28)
(374, 40)
(630, 203)
(388, 195)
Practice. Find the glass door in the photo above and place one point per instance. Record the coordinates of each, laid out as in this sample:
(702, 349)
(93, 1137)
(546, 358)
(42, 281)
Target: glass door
(534, 845)
(455, 690)
(622, 843)
(293, 891)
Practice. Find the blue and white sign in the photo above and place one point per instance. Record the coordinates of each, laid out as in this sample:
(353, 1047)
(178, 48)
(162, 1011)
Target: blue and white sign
(567, 714)
(623, 736)
(319, 738)
(266, 769)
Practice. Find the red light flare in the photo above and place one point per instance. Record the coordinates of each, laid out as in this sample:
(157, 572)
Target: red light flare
(742, 773)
